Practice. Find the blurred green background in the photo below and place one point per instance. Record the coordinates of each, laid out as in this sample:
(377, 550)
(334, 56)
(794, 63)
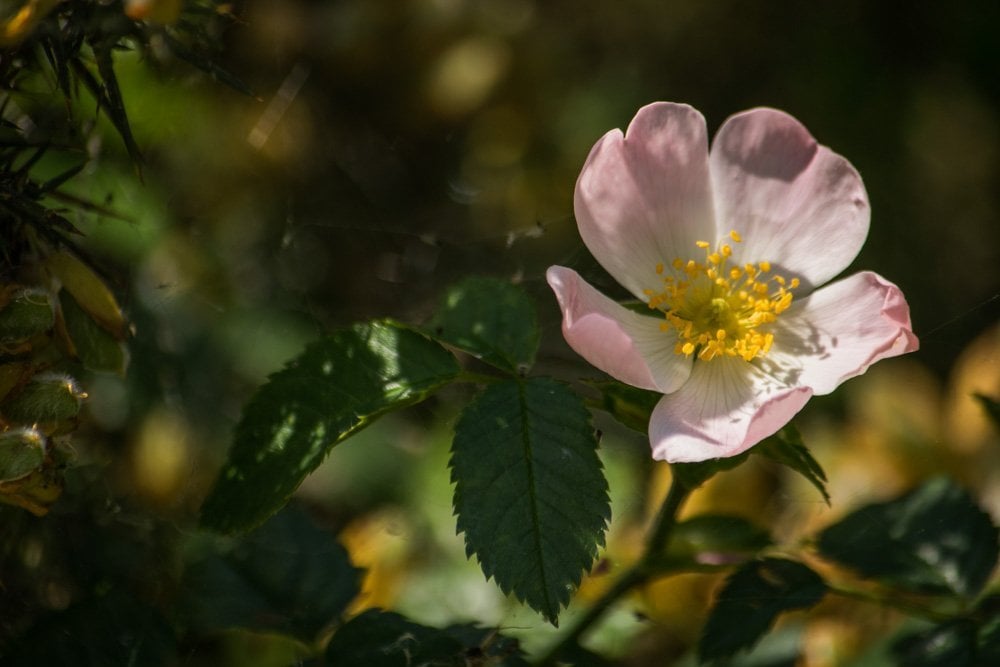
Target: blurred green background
(397, 145)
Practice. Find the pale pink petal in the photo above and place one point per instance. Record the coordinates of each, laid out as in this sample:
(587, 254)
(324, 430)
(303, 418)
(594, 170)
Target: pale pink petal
(644, 198)
(725, 407)
(797, 204)
(840, 330)
(626, 345)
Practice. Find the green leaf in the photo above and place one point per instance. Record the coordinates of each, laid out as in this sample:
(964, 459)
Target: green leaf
(786, 447)
(629, 405)
(750, 601)
(22, 450)
(288, 576)
(490, 319)
(336, 387)
(989, 640)
(530, 494)
(933, 539)
(29, 312)
(202, 62)
(716, 539)
(48, 398)
(951, 644)
(379, 638)
(97, 349)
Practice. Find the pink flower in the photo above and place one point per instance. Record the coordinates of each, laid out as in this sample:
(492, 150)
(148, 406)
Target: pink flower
(728, 249)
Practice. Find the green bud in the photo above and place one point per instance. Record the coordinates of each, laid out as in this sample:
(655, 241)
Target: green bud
(29, 312)
(47, 398)
(96, 349)
(22, 450)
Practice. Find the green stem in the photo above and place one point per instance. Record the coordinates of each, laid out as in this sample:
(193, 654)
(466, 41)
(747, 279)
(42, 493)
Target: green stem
(641, 572)
(477, 378)
(666, 519)
(909, 608)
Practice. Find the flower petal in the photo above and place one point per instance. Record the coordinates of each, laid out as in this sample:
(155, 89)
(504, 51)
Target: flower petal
(725, 407)
(627, 346)
(644, 198)
(797, 204)
(840, 330)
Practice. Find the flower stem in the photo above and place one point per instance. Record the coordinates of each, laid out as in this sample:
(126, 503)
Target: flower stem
(910, 608)
(639, 573)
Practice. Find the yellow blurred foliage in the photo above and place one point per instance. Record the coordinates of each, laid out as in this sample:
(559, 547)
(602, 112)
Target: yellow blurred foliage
(378, 543)
(160, 459)
(16, 28)
(163, 12)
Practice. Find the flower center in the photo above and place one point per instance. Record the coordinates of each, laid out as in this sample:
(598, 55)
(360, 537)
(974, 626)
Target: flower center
(718, 309)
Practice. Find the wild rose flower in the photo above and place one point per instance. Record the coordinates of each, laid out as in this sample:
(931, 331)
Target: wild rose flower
(728, 248)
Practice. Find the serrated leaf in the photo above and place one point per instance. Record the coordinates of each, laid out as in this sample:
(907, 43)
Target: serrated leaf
(716, 539)
(490, 319)
(786, 447)
(934, 539)
(951, 644)
(530, 493)
(379, 638)
(751, 600)
(629, 405)
(336, 387)
(288, 577)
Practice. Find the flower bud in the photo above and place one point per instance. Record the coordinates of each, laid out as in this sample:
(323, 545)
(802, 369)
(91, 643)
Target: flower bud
(47, 398)
(22, 450)
(28, 312)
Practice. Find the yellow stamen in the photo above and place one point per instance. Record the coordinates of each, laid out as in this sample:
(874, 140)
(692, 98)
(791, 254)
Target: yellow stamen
(717, 310)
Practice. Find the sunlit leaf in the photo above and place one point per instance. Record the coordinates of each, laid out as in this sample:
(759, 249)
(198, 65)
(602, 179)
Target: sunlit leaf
(288, 577)
(336, 387)
(752, 599)
(530, 493)
(379, 638)
(490, 319)
(786, 447)
(933, 539)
